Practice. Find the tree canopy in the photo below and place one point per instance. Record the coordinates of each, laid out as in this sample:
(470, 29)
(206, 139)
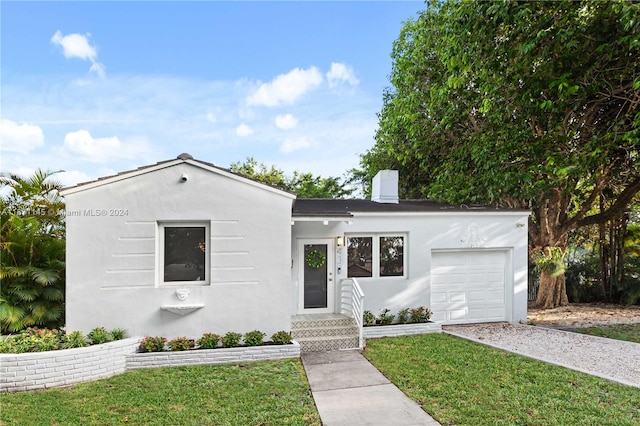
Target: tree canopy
(517, 103)
(305, 185)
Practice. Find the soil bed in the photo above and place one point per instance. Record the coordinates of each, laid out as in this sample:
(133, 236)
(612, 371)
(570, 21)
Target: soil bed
(581, 315)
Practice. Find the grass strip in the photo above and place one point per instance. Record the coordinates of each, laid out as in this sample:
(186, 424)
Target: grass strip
(463, 383)
(627, 332)
(257, 393)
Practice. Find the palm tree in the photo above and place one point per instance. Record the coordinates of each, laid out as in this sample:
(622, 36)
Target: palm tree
(32, 251)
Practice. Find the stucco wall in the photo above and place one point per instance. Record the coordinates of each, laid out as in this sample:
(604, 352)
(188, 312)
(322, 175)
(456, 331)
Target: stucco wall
(426, 232)
(113, 260)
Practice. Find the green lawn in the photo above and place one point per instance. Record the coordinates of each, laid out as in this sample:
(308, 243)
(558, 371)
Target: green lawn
(628, 332)
(463, 383)
(259, 393)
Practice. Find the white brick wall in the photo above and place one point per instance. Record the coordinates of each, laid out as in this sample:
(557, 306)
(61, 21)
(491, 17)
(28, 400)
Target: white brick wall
(40, 370)
(212, 356)
(401, 329)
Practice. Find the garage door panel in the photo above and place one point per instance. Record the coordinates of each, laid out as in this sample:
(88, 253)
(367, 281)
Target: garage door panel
(457, 314)
(457, 297)
(468, 286)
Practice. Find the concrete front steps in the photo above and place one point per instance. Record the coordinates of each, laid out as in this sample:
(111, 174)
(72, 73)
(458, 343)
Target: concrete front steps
(324, 332)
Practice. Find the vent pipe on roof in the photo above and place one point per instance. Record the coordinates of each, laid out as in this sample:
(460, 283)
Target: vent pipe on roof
(384, 187)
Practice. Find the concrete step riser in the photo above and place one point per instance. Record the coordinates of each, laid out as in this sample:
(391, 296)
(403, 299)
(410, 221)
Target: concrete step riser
(328, 344)
(295, 325)
(324, 332)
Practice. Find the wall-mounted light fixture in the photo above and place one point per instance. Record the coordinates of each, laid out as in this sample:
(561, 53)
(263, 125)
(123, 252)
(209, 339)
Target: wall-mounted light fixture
(340, 241)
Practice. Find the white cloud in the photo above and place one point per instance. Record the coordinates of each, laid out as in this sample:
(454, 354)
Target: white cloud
(72, 178)
(100, 150)
(94, 149)
(294, 144)
(286, 88)
(244, 130)
(286, 121)
(211, 117)
(341, 73)
(99, 69)
(20, 138)
(77, 46)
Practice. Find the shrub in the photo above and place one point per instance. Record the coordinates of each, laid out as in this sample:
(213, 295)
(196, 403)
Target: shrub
(75, 339)
(368, 318)
(181, 344)
(281, 338)
(385, 318)
(254, 338)
(99, 335)
(152, 344)
(118, 333)
(37, 340)
(7, 344)
(403, 315)
(231, 340)
(208, 341)
(420, 314)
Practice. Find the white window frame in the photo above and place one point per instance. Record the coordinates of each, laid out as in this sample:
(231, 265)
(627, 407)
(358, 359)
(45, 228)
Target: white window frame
(375, 254)
(207, 255)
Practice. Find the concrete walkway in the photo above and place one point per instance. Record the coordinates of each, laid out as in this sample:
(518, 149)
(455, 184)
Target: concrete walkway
(348, 390)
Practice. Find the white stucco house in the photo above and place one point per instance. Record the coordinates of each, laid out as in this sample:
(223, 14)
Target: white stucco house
(183, 247)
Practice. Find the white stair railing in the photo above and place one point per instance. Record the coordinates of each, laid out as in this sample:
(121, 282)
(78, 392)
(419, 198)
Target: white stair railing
(352, 304)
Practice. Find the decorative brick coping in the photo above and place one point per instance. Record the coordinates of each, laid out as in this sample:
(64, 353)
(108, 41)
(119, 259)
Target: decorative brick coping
(373, 332)
(212, 356)
(43, 370)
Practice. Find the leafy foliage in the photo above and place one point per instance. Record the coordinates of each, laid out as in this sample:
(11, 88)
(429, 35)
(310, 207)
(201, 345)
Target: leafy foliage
(281, 338)
(152, 344)
(208, 341)
(231, 339)
(99, 335)
(522, 104)
(305, 185)
(384, 317)
(31, 252)
(420, 314)
(254, 338)
(181, 344)
(75, 339)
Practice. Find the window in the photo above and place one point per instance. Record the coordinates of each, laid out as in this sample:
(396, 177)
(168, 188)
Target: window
(185, 253)
(391, 256)
(360, 252)
(387, 262)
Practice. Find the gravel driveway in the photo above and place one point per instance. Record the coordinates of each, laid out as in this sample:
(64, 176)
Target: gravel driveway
(607, 358)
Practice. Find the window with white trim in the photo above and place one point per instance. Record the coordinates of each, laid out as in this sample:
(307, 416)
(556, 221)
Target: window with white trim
(184, 253)
(376, 255)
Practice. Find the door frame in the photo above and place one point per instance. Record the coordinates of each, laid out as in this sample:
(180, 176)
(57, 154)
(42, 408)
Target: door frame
(331, 282)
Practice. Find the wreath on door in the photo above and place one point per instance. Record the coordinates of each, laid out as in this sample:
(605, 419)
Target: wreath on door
(315, 259)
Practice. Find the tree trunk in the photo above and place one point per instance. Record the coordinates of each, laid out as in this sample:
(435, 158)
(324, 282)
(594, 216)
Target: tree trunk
(552, 291)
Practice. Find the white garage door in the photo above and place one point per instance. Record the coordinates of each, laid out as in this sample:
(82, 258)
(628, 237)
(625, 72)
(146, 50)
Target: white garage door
(468, 286)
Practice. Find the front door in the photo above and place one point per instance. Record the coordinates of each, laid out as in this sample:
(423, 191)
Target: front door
(316, 275)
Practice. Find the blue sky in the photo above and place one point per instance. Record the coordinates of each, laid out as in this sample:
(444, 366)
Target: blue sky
(94, 88)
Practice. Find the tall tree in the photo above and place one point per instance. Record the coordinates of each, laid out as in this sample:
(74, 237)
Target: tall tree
(517, 103)
(32, 252)
(305, 185)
